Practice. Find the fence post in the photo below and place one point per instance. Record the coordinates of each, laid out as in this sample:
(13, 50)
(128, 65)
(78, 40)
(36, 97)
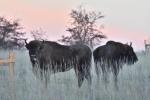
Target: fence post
(11, 60)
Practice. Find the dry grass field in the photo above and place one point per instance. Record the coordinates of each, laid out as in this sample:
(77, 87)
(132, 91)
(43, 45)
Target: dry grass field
(133, 82)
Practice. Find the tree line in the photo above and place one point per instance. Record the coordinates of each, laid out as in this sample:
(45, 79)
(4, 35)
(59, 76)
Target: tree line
(83, 28)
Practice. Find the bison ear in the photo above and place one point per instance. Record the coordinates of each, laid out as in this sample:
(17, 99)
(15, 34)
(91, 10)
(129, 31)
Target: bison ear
(42, 44)
(130, 44)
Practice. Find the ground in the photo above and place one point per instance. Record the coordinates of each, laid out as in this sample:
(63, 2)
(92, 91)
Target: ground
(133, 82)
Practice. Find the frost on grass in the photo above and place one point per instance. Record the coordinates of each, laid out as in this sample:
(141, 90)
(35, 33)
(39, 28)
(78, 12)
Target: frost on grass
(133, 81)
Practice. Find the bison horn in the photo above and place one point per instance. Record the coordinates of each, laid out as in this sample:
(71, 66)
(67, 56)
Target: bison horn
(25, 41)
(41, 43)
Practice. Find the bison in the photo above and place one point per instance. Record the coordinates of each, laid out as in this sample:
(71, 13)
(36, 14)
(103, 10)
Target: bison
(51, 57)
(112, 56)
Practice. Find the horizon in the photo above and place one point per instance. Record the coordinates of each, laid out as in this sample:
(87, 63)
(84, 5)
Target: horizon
(124, 21)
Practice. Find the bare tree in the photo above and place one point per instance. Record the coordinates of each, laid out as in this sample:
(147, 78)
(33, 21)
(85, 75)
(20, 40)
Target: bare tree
(83, 28)
(39, 34)
(10, 33)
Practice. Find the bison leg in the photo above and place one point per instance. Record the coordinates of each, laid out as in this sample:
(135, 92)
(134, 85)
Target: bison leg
(46, 78)
(104, 68)
(88, 75)
(80, 75)
(115, 74)
(44, 73)
(97, 69)
(80, 79)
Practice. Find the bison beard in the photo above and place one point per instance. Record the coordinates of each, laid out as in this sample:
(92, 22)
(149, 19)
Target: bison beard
(52, 57)
(111, 57)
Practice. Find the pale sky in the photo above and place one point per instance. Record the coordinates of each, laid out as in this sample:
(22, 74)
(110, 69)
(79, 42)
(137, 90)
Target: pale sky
(125, 20)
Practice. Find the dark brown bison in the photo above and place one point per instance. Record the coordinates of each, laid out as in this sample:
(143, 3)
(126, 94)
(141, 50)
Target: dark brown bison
(112, 56)
(51, 57)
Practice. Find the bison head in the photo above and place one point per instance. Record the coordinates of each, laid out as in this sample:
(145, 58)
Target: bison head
(130, 56)
(34, 48)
